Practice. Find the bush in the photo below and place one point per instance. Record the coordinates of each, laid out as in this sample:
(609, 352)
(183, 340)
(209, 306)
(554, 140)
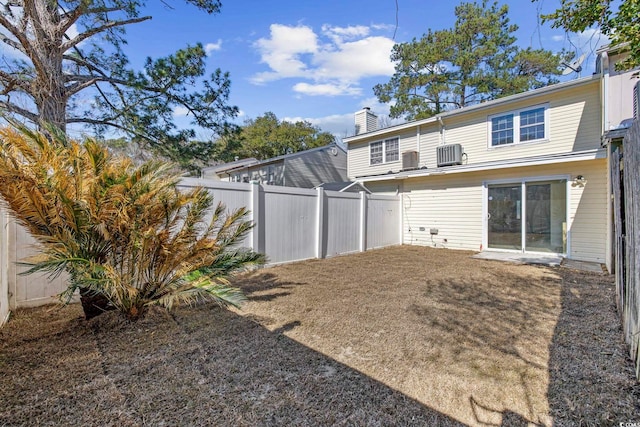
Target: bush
(125, 235)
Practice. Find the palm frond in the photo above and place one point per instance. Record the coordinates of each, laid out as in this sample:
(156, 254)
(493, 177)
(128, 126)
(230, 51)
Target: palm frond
(121, 231)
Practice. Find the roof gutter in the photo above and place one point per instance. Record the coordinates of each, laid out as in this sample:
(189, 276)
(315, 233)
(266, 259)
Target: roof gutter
(594, 154)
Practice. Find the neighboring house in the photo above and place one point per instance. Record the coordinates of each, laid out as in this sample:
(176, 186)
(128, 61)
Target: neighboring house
(304, 169)
(524, 173)
(220, 172)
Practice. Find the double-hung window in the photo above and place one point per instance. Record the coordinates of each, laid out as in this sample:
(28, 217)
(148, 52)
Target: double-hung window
(515, 127)
(386, 151)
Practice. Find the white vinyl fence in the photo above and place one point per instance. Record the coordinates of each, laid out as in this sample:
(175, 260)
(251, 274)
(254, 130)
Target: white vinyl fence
(291, 224)
(17, 290)
(4, 264)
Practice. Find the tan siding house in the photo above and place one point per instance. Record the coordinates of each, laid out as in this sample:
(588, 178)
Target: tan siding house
(526, 173)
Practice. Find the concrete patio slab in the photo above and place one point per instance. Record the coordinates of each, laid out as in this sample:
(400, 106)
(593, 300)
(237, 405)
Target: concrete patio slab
(549, 260)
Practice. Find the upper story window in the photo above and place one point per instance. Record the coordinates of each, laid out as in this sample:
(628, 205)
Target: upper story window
(384, 151)
(526, 125)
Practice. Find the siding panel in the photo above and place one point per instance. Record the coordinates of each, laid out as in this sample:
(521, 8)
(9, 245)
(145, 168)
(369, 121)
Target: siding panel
(453, 204)
(574, 125)
(315, 168)
(358, 155)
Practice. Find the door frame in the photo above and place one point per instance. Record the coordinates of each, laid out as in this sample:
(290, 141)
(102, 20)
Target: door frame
(522, 181)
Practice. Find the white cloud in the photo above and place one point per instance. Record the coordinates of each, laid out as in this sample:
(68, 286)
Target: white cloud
(325, 89)
(180, 111)
(330, 63)
(211, 47)
(283, 50)
(73, 32)
(339, 34)
(354, 60)
(340, 125)
(343, 125)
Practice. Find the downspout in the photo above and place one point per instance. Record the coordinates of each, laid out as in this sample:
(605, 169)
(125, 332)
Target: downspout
(443, 131)
(604, 69)
(604, 58)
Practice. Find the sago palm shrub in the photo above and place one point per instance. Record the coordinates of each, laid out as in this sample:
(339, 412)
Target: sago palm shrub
(124, 234)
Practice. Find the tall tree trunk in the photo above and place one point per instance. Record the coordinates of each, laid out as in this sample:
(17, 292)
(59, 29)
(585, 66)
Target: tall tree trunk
(49, 91)
(52, 109)
(51, 96)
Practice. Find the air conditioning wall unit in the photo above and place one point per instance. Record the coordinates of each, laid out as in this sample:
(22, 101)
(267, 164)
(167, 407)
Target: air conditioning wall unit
(449, 155)
(410, 160)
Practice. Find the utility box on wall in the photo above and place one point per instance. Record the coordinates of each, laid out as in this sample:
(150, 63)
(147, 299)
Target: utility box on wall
(449, 155)
(410, 160)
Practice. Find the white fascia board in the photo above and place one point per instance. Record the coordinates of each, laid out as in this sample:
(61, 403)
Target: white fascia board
(502, 164)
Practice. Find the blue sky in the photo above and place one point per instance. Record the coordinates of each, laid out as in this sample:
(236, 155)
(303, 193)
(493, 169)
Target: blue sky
(317, 61)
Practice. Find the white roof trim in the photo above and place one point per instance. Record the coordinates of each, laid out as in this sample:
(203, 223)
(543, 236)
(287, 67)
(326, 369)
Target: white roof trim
(502, 164)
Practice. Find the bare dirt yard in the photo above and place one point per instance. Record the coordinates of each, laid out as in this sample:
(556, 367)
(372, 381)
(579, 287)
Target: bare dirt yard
(399, 336)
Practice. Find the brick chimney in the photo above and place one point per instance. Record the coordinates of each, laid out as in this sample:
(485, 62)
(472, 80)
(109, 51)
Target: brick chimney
(366, 121)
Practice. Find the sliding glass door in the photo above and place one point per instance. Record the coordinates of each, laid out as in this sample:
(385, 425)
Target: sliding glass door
(534, 223)
(505, 217)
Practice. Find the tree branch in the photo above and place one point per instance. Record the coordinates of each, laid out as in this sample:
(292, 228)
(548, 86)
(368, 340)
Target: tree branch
(92, 32)
(26, 44)
(12, 43)
(107, 122)
(82, 82)
(12, 108)
(82, 61)
(11, 81)
(69, 18)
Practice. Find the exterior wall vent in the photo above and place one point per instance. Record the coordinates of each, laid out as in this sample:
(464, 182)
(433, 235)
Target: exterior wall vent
(448, 155)
(409, 160)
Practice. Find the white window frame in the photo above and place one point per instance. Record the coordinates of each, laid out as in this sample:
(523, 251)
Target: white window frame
(517, 126)
(384, 151)
(522, 182)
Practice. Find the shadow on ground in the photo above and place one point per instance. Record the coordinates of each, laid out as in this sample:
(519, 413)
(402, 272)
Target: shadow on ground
(484, 342)
(262, 285)
(401, 336)
(203, 366)
(592, 381)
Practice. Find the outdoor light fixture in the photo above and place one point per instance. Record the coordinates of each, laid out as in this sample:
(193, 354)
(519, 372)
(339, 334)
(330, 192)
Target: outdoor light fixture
(579, 181)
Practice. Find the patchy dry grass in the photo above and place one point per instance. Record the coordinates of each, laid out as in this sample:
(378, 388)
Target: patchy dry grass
(400, 336)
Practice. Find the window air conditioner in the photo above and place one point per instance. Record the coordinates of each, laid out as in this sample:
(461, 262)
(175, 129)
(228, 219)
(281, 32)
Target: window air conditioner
(409, 160)
(448, 155)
